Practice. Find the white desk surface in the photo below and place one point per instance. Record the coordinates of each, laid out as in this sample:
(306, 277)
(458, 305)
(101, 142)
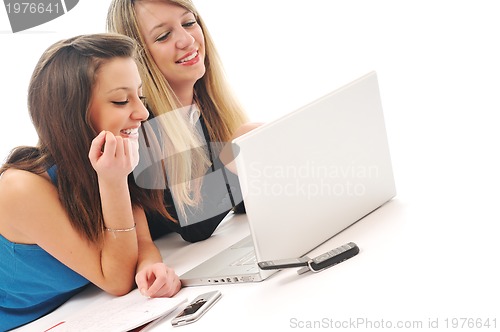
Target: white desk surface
(417, 265)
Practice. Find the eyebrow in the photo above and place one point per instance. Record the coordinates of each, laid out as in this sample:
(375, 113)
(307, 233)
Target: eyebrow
(124, 88)
(160, 25)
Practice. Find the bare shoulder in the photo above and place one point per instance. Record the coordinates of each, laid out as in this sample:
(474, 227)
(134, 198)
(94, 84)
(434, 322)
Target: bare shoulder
(23, 196)
(14, 182)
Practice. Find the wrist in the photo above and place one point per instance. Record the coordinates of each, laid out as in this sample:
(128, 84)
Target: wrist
(114, 231)
(119, 182)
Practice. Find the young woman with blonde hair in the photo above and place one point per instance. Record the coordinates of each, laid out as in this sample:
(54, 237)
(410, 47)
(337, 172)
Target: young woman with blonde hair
(194, 110)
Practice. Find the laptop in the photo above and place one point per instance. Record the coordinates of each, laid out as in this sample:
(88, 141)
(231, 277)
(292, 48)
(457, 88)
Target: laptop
(305, 177)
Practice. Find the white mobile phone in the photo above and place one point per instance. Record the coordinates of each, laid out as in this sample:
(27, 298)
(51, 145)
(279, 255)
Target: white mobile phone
(196, 308)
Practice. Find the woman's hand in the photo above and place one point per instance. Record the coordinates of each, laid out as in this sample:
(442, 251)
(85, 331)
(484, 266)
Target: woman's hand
(113, 157)
(157, 280)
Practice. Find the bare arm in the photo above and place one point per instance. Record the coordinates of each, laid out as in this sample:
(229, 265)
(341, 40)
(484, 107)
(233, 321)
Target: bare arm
(120, 249)
(32, 201)
(153, 278)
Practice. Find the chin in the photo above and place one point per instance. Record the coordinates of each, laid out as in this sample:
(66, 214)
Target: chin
(201, 74)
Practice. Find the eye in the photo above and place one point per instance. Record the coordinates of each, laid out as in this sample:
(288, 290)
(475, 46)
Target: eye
(121, 103)
(162, 37)
(189, 24)
(143, 99)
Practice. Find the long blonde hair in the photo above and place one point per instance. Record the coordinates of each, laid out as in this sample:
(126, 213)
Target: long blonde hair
(220, 109)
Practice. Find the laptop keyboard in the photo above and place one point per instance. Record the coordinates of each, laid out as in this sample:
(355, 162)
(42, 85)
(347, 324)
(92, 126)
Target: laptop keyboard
(247, 259)
(243, 243)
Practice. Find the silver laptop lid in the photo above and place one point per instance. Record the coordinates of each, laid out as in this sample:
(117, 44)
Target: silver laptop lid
(308, 175)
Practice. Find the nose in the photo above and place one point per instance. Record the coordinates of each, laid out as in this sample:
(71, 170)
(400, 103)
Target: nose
(140, 112)
(184, 39)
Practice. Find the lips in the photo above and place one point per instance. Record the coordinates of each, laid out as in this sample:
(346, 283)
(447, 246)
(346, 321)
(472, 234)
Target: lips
(130, 131)
(188, 57)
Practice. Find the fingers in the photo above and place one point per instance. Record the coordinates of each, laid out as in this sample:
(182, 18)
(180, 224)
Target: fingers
(120, 147)
(160, 289)
(109, 145)
(96, 147)
(141, 279)
(133, 152)
(113, 146)
(158, 281)
(109, 153)
(164, 285)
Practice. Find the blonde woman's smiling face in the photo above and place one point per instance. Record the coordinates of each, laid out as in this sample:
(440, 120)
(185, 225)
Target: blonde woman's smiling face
(175, 40)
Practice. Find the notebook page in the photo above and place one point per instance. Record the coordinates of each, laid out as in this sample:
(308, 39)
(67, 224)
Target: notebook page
(119, 314)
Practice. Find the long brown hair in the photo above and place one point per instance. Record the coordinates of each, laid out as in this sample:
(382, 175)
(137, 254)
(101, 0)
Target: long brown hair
(220, 109)
(59, 96)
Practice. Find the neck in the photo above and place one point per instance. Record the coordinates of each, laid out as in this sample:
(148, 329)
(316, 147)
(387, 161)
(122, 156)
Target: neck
(185, 96)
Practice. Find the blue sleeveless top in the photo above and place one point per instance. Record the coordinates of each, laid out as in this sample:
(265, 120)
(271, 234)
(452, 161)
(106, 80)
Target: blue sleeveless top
(32, 282)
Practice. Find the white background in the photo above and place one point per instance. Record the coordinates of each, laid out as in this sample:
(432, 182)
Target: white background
(438, 64)
(437, 61)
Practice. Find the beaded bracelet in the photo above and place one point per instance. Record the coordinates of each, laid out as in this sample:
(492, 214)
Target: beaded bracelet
(119, 230)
